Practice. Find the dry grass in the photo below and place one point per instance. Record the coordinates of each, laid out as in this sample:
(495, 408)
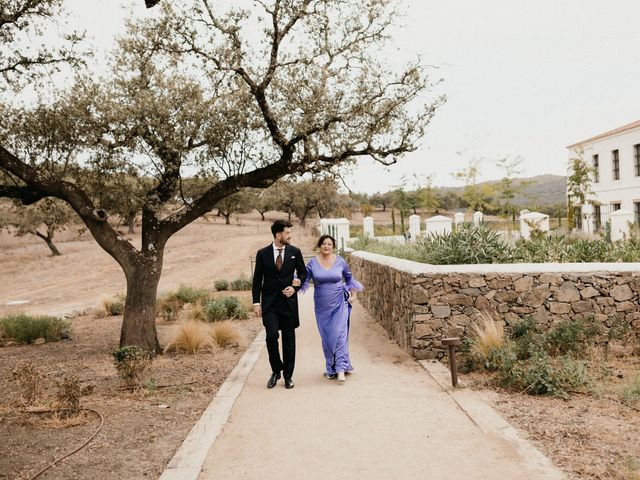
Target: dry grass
(227, 334)
(112, 305)
(29, 380)
(61, 420)
(488, 335)
(190, 336)
(194, 311)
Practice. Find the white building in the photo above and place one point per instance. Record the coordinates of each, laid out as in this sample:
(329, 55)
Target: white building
(615, 158)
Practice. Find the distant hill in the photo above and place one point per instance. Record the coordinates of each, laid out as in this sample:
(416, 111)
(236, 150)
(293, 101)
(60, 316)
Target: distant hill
(539, 191)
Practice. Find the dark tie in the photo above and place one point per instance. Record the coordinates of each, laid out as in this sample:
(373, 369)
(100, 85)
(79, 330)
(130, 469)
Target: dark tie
(279, 260)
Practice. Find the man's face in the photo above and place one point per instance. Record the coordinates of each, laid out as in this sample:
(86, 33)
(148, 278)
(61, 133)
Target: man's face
(284, 237)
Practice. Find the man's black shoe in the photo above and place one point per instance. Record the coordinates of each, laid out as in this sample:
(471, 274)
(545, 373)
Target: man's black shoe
(273, 379)
(288, 383)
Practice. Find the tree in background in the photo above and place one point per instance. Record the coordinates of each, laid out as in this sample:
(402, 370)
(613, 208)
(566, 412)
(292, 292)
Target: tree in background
(578, 185)
(236, 203)
(42, 219)
(187, 90)
(507, 188)
(476, 197)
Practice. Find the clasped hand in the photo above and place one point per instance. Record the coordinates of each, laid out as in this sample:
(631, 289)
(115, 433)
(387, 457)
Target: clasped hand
(290, 291)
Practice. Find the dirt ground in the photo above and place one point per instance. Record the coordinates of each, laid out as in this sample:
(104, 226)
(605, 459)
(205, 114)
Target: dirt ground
(141, 429)
(588, 436)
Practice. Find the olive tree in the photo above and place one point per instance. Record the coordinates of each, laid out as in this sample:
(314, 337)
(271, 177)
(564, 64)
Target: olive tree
(240, 96)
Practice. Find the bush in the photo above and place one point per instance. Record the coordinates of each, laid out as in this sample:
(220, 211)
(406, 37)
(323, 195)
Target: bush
(69, 394)
(189, 337)
(572, 336)
(26, 328)
(132, 363)
(227, 334)
(221, 285)
(224, 308)
(113, 306)
(469, 244)
(631, 393)
(29, 382)
(241, 283)
(543, 375)
(169, 308)
(188, 294)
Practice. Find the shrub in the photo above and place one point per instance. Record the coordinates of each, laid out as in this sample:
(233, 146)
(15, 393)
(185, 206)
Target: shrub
(224, 308)
(188, 294)
(221, 285)
(631, 393)
(488, 337)
(169, 307)
(26, 328)
(113, 306)
(469, 244)
(572, 336)
(240, 283)
(540, 249)
(132, 363)
(227, 334)
(69, 394)
(28, 379)
(190, 337)
(540, 375)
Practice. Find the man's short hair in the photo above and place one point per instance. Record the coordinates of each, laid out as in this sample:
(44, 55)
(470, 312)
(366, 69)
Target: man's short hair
(279, 226)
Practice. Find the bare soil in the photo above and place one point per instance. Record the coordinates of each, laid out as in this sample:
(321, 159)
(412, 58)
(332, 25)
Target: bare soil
(142, 429)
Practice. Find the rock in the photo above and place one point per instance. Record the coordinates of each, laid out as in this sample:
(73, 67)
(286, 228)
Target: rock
(605, 301)
(535, 297)
(426, 354)
(441, 311)
(589, 292)
(523, 284)
(559, 308)
(477, 282)
(586, 278)
(540, 316)
(39, 341)
(474, 292)
(457, 299)
(621, 293)
(10, 344)
(523, 310)
(567, 294)
(503, 308)
(490, 295)
(582, 306)
(419, 295)
(482, 303)
(552, 278)
(625, 306)
(421, 330)
(508, 296)
(460, 320)
(511, 318)
(500, 283)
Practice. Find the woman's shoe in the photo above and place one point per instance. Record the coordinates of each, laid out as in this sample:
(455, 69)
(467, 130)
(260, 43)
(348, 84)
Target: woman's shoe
(341, 377)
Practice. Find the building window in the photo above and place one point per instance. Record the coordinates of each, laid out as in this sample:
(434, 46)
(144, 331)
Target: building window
(596, 169)
(615, 206)
(615, 161)
(577, 217)
(636, 210)
(597, 217)
(636, 155)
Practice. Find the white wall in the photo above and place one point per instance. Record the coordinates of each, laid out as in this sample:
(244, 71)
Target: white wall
(625, 191)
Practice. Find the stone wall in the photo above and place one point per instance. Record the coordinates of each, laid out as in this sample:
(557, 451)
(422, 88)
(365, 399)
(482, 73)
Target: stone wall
(419, 304)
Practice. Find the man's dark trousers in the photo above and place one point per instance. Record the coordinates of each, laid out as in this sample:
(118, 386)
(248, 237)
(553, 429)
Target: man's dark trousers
(279, 317)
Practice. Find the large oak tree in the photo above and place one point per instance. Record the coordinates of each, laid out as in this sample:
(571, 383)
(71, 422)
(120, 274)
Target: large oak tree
(235, 97)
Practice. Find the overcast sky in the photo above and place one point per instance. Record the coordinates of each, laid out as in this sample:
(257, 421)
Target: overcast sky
(522, 77)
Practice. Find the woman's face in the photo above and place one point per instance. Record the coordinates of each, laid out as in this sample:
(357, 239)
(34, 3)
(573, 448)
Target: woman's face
(326, 246)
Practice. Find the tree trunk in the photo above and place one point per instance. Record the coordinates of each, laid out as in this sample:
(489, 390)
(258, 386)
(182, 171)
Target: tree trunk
(131, 223)
(139, 323)
(49, 241)
(261, 215)
(227, 218)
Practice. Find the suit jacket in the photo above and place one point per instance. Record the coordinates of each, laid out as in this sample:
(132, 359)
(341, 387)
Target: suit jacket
(268, 282)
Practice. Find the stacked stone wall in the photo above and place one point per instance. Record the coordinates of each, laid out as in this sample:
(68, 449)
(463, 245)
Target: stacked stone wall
(418, 307)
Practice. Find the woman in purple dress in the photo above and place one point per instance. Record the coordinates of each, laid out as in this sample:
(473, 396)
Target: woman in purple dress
(333, 292)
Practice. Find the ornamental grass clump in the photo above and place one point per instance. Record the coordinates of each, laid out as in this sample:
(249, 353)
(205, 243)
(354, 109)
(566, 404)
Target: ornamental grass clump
(113, 306)
(227, 334)
(488, 348)
(23, 328)
(29, 381)
(190, 336)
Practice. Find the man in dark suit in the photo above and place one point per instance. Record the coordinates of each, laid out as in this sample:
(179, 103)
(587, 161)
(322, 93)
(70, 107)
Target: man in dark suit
(275, 298)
